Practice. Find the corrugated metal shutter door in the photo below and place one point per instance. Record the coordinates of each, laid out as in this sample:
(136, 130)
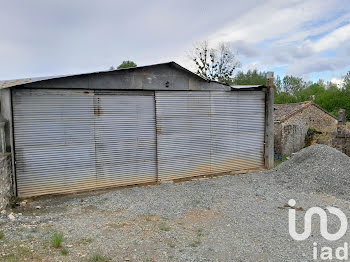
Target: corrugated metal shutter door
(54, 140)
(237, 130)
(183, 128)
(209, 132)
(125, 138)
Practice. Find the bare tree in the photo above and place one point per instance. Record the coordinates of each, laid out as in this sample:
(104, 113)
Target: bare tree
(214, 63)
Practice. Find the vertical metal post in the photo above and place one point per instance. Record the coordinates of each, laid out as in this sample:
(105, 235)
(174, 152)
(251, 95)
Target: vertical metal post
(269, 128)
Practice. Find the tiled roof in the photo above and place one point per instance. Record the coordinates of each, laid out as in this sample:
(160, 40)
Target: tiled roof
(283, 112)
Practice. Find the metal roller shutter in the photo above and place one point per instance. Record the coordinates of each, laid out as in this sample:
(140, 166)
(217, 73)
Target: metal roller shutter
(183, 128)
(54, 141)
(237, 130)
(125, 138)
(69, 141)
(203, 133)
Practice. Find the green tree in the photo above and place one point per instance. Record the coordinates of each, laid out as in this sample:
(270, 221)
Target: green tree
(251, 77)
(327, 95)
(278, 84)
(293, 85)
(312, 92)
(127, 64)
(284, 98)
(346, 82)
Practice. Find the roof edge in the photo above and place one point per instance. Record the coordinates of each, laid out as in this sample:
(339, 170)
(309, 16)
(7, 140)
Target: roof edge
(307, 104)
(18, 82)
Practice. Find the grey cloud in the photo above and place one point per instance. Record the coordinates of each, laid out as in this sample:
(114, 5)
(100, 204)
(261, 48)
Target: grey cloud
(57, 37)
(245, 49)
(61, 37)
(289, 53)
(306, 66)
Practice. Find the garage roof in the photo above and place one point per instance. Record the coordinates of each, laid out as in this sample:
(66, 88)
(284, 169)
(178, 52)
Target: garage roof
(23, 81)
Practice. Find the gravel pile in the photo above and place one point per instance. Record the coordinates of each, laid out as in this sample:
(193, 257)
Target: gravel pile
(319, 169)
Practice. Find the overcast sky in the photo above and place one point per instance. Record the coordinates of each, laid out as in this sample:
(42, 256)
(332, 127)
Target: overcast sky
(308, 38)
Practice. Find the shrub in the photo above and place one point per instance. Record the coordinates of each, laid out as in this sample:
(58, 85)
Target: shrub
(309, 137)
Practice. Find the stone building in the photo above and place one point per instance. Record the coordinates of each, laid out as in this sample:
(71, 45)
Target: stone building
(291, 122)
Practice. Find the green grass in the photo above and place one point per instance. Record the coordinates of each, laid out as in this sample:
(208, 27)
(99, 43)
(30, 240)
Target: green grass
(277, 162)
(99, 258)
(2, 235)
(64, 251)
(195, 244)
(56, 240)
(199, 232)
(196, 202)
(11, 258)
(172, 245)
(164, 228)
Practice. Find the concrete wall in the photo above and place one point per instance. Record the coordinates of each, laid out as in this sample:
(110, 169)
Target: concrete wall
(269, 128)
(6, 188)
(6, 112)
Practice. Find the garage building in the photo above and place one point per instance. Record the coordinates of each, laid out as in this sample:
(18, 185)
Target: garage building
(131, 126)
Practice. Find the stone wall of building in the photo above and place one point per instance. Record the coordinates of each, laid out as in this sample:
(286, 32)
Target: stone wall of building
(278, 138)
(290, 134)
(293, 138)
(6, 188)
(314, 117)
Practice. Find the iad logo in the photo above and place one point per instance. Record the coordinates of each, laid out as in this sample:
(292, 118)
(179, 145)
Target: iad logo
(323, 222)
(326, 253)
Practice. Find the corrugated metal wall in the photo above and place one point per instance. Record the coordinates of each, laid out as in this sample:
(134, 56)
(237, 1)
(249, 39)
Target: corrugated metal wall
(183, 128)
(125, 138)
(74, 140)
(54, 141)
(209, 132)
(70, 140)
(237, 130)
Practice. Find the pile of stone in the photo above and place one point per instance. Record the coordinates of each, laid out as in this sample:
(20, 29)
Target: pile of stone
(317, 169)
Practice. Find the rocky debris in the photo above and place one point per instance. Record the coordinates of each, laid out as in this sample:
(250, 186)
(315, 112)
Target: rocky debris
(11, 217)
(317, 169)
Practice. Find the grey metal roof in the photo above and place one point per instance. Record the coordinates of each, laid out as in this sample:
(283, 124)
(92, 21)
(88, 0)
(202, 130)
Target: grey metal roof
(246, 86)
(18, 82)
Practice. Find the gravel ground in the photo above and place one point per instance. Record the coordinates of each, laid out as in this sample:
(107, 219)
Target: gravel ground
(230, 218)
